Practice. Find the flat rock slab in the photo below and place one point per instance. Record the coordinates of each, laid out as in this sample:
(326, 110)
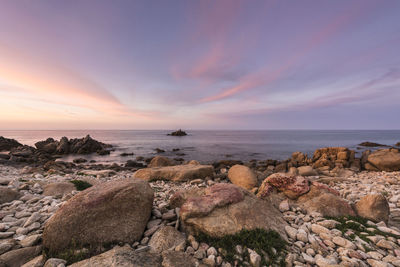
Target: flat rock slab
(175, 173)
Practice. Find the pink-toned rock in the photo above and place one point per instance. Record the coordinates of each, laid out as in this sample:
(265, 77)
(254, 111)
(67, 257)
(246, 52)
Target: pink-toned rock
(291, 186)
(175, 173)
(226, 209)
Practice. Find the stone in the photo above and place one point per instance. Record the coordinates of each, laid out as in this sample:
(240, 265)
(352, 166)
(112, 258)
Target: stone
(284, 206)
(111, 212)
(376, 263)
(175, 173)
(242, 176)
(226, 209)
(8, 195)
(122, 256)
(6, 245)
(291, 232)
(36, 262)
(373, 207)
(177, 259)
(160, 161)
(255, 258)
(58, 189)
(342, 242)
(166, 238)
(306, 171)
(323, 201)
(384, 160)
(18, 257)
(54, 262)
(31, 240)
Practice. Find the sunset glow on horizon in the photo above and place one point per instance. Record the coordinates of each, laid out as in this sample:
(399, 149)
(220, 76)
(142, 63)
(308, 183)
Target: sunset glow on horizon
(200, 64)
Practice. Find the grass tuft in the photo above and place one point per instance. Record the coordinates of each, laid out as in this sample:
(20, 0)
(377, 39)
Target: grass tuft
(81, 185)
(265, 243)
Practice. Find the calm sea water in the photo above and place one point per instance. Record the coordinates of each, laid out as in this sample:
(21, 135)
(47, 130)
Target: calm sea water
(208, 146)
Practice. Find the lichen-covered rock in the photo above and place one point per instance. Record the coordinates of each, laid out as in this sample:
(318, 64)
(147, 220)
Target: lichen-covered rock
(175, 173)
(373, 207)
(292, 186)
(106, 213)
(226, 209)
(383, 160)
(242, 176)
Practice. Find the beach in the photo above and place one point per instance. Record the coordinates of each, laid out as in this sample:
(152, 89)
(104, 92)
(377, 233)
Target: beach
(313, 202)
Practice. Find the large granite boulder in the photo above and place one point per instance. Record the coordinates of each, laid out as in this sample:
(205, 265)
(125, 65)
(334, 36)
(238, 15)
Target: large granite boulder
(383, 160)
(224, 209)
(242, 176)
(106, 213)
(373, 207)
(122, 256)
(6, 144)
(292, 186)
(175, 173)
(324, 200)
(160, 161)
(8, 195)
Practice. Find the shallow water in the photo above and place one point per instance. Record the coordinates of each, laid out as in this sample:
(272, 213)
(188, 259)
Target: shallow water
(208, 146)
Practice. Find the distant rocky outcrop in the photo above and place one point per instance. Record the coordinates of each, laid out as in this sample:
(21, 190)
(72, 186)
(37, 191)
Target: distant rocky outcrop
(370, 144)
(178, 133)
(6, 144)
(86, 145)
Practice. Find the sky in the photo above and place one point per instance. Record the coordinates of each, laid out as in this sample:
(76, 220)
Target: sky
(221, 64)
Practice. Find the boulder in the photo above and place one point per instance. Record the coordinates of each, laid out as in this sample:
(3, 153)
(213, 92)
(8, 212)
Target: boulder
(175, 173)
(110, 212)
(383, 160)
(177, 259)
(122, 256)
(48, 146)
(373, 207)
(370, 144)
(36, 262)
(8, 195)
(397, 144)
(58, 189)
(324, 200)
(242, 176)
(160, 161)
(6, 144)
(224, 209)
(306, 171)
(292, 186)
(18, 257)
(166, 238)
(299, 159)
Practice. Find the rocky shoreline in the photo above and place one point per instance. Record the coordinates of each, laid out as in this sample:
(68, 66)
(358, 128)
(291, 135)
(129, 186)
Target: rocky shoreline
(332, 209)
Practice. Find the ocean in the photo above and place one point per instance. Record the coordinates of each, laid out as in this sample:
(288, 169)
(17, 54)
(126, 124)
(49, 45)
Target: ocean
(208, 146)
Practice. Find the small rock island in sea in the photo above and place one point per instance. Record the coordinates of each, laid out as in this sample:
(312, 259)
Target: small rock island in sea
(178, 133)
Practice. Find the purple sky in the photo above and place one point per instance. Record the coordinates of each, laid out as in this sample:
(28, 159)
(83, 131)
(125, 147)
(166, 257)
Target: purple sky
(200, 64)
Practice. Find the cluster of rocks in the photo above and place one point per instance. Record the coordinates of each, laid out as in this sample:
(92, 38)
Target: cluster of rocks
(178, 133)
(155, 216)
(50, 149)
